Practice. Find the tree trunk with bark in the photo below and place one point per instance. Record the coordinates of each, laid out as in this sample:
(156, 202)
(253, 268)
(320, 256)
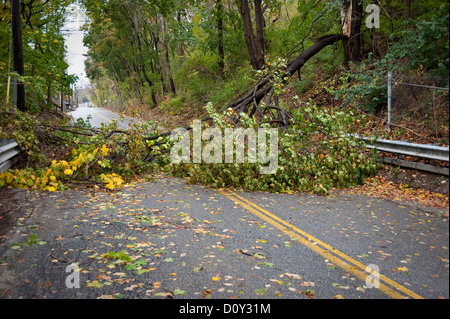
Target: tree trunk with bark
(144, 71)
(265, 87)
(259, 22)
(351, 28)
(170, 83)
(16, 25)
(220, 49)
(255, 47)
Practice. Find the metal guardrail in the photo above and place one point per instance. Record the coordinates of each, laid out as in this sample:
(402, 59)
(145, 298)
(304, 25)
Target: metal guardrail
(9, 151)
(427, 151)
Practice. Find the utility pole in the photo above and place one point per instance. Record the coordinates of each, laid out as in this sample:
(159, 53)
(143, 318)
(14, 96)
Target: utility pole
(16, 25)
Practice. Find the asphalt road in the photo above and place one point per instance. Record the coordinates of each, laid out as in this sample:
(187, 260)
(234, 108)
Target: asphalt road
(168, 239)
(188, 241)
(100, 115)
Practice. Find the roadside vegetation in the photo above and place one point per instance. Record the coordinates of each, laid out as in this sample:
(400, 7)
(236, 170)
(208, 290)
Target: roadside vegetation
(283, 64)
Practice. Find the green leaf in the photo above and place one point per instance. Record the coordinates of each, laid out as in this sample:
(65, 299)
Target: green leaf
(179, 292)
(266, 264)
(260, 291)
(142, 271)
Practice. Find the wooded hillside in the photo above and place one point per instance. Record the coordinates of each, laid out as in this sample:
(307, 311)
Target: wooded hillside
(178, 55)
(316, 69)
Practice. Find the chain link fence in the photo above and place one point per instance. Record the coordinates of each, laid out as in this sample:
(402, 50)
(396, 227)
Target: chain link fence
(419, 103)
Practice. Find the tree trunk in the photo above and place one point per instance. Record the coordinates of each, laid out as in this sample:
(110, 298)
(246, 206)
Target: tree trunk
(259, 22)
(221, 62)
(181, 45)
(49, 94)
(117, 87)
(16, 25)
(244, 10)
(351, 28)
(265, 86)
(166, 56)
(144, 71)
(157, 47)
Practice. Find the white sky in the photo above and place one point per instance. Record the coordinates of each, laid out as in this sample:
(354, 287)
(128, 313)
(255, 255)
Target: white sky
(75, 48)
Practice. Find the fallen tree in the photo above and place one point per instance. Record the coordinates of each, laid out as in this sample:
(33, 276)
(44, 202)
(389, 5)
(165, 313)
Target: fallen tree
(250, 102)
(313, 151)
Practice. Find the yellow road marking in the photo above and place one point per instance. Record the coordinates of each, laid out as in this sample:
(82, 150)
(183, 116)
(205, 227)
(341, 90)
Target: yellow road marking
(342, 255)
(101, 116)
(323, 249)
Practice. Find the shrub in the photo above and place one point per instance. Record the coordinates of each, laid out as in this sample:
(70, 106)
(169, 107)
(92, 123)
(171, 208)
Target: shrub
(53, 177)
(105, 157)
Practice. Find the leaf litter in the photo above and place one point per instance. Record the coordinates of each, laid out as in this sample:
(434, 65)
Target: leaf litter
(139, 243)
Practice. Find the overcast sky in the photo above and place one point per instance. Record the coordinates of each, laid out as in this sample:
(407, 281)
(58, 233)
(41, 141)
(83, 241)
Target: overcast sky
(75, 48)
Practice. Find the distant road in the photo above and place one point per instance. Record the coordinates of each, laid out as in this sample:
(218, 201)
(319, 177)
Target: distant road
(99, 116)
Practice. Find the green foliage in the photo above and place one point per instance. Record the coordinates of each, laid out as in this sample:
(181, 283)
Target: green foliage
(232, 86)
(293, 20)
(290, 28)
(43, 50)
(19, 126)
(315, 154)
(425, 43)
(363, 85)
(420, 45)
(121, 255)
(104, 157)
(197, 75)
(33, 240)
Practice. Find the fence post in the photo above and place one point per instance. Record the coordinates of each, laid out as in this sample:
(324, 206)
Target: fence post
(436, 129)
(389, 100)
(7, 88)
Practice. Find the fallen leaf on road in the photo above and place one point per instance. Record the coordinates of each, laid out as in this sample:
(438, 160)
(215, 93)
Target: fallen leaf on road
(207, 293)
(179, 292)
(132, 287)
(293, 276)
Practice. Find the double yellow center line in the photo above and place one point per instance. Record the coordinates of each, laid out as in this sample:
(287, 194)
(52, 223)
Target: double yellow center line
(338, 258)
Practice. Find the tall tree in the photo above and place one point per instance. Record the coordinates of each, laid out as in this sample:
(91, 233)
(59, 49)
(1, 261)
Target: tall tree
(165, 48)
(136, 27)
(352, 12)
(220, 49)
(255, 46)
(41, 62)
(16, 24)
